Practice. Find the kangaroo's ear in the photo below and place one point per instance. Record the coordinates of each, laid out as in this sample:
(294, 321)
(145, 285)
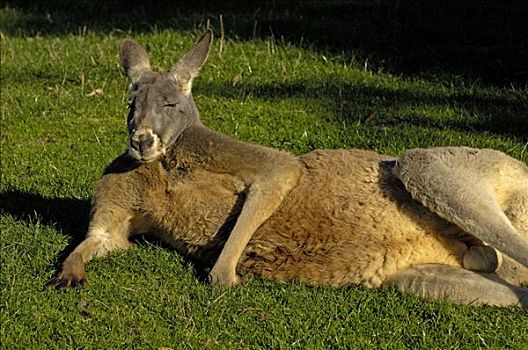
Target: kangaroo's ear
(134, 59)
(191, 62)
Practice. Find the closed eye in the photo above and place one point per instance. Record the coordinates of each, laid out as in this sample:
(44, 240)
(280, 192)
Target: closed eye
(170, 104)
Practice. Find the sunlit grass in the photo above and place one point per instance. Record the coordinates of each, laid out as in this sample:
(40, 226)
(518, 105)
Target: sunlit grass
(62, 121)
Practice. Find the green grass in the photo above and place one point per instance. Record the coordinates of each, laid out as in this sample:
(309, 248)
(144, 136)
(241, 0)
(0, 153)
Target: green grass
(57, 136)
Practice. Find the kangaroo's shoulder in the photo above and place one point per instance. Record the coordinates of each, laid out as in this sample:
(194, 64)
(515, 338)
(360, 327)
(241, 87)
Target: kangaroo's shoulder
(200, 147)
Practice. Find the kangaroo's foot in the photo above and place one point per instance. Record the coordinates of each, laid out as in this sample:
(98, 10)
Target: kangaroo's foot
(458, 285)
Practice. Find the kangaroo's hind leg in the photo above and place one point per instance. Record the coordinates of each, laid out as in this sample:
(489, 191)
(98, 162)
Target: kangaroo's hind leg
(457, 285)
(464, 186)
(517, 208)
(517, 211)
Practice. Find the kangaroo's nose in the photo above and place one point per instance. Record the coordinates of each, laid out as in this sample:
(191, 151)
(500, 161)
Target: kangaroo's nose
(142, 141)
(145, 143)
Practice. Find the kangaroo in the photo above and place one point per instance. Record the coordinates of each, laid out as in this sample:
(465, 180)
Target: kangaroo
(443, 223)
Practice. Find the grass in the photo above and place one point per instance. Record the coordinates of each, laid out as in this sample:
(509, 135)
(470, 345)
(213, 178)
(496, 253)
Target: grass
(277, 82)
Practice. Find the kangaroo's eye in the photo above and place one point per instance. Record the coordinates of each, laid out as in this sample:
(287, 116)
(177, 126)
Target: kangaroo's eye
(170, 104)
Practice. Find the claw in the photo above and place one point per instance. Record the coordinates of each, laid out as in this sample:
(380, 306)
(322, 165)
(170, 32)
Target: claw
(61, 282)
(223, 279)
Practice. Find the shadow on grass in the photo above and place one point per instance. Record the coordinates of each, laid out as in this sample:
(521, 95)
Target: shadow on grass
(480, 40)
(67, 215)
(499, 115)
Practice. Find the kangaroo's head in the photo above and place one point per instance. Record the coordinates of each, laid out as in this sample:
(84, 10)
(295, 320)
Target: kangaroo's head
(161, 104)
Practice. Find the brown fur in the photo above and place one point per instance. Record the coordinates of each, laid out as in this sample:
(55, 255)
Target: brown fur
(332, 217)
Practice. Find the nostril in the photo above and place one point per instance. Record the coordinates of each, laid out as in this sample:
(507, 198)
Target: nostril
(145, 143)
(142, 140)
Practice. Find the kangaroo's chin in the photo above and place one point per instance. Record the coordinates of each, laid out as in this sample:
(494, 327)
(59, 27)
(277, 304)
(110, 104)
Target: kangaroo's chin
(146, 157)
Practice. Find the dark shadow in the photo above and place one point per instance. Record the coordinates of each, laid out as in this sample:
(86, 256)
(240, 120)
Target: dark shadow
(481, 40)
(67, 215)
(501, 115)
(122, 164)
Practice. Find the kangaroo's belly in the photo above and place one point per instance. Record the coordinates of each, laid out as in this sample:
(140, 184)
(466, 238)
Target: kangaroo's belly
(349, 220)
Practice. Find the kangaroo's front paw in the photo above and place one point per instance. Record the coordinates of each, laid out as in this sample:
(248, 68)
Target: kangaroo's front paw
(63, 282)
(72, 275)
(218, 277)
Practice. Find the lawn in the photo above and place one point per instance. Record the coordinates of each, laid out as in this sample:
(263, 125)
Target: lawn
(382, 75)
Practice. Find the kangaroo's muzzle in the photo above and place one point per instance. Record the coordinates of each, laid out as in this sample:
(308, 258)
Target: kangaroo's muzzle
(145, 145)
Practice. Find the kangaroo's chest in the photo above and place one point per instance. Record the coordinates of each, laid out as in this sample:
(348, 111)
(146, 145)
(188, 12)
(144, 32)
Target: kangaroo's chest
(196, 209)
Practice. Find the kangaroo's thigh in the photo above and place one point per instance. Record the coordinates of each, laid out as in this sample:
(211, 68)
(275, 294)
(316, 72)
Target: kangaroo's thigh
(517, 212)
(517, 209)
(460, 185)
(457, 285)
